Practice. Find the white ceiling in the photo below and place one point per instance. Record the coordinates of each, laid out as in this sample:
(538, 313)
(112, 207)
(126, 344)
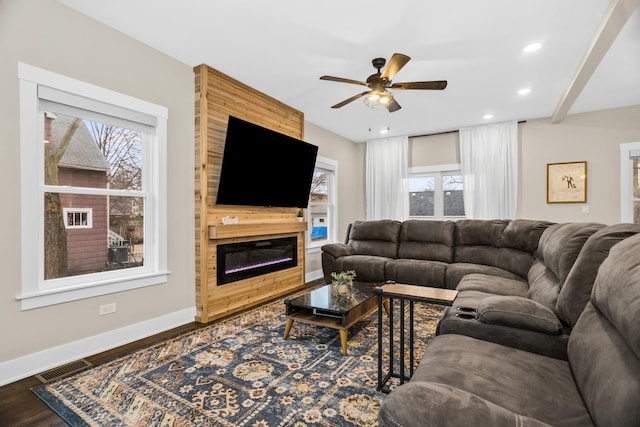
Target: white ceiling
(282, 47)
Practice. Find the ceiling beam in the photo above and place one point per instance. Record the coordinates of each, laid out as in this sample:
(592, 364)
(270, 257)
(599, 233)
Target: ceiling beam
(616, 17)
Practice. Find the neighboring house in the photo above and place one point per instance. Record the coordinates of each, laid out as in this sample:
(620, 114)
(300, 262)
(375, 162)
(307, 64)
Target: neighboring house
(318, 213)
(86, 216)
(421, 203)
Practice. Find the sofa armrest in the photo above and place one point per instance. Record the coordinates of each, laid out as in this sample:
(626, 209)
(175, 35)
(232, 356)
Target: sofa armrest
(337, 249)
(519, 312)
(429, 404)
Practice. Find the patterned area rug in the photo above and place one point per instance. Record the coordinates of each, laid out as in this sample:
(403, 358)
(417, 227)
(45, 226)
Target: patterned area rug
(238, 372)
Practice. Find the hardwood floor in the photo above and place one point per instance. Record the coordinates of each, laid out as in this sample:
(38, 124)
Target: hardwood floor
(19, 407)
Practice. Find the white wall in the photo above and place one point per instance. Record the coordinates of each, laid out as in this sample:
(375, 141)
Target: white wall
(594, 137)
(51, 36)
(350, 157)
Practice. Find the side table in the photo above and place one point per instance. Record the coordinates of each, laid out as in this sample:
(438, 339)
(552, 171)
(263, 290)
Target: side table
(411, 293)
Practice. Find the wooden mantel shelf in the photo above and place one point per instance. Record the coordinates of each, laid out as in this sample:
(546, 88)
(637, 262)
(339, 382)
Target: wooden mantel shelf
(230, 231)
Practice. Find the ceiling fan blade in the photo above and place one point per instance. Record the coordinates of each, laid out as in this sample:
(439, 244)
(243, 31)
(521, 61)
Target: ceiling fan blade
(346, 101)
(397, 61)
(432, 85)
(341, 80)
(394, 106)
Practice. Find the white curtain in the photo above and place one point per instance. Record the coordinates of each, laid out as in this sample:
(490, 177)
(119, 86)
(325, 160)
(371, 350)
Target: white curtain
(386, 178)
(489, 157)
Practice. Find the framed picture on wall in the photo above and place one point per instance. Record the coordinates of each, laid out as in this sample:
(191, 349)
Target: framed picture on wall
(567, 182)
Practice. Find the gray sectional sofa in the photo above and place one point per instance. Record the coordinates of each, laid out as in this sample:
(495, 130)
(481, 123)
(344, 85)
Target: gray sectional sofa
(464, 381)
(505, 351)
(434, 253)
(537, 315)
(515, 278)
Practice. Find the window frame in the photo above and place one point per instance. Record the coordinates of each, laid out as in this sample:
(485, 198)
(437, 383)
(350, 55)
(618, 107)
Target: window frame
(87, 211)
(36, 292)
(628, 151)
(436, 171)
(331, 166)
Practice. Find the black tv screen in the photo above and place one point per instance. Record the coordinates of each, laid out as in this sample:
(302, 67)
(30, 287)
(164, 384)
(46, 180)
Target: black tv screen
(261, 167)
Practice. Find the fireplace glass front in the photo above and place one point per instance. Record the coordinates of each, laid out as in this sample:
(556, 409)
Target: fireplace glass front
(243, 260)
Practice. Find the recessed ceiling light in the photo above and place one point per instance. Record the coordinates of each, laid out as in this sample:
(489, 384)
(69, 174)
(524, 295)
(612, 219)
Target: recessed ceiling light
(487, 116)
(532, 47)
(524, 91)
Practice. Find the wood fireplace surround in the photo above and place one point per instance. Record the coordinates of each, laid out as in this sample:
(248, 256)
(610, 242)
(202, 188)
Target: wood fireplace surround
(217, 97)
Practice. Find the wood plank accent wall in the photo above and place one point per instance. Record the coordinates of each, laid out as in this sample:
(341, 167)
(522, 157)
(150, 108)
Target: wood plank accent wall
(217, 97)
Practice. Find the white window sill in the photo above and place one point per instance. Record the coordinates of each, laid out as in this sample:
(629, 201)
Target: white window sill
(44, 298)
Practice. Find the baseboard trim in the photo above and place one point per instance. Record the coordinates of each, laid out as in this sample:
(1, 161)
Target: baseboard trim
(34, 363)
(313, 275)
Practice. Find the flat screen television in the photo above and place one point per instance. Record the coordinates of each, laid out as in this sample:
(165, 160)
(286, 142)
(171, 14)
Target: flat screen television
(261, 167)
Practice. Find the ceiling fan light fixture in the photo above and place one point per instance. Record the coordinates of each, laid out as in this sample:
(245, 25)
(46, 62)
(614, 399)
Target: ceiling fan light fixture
(378, 99)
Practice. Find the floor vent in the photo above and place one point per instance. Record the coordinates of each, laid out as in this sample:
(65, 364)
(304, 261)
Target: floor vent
(64, 370)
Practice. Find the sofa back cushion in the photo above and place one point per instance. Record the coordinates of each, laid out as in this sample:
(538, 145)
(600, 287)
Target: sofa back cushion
(430, 240)
(477, 241)
(558, 250)
(518, 245)
(604, 346)
(576, 290)
(379, 237)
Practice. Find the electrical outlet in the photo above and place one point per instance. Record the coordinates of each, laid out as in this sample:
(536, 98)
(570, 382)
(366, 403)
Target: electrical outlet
(585, 209)
(107, 309)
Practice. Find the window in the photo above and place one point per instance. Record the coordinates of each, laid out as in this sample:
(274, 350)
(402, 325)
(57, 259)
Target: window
(436, 192)
(77, 218)
(92, 181)
(630, 182)
(321, 212)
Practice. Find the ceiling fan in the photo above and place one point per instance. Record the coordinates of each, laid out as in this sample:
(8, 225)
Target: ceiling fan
(379, 96)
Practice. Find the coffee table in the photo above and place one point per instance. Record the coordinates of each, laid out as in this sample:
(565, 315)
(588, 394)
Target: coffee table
(324, 308)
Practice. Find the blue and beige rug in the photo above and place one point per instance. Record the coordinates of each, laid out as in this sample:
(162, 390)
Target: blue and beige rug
(237, 372)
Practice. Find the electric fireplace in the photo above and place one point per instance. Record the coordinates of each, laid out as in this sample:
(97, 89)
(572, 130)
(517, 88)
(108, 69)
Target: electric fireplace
(237, 261)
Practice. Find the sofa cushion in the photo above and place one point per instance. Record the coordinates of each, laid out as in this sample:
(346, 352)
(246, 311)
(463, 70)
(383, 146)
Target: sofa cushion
(446, 406)
(337, 249)
(604, 345)
(606, 370)
(368, 268)
(558, 250)
(518, 245)
(576, 290)
(479, 232)
(518, 312)
(515, 261)
(524, 383)
(458, 270)
(417, 272)
(429, 240)
(523, 234)
(544, 286)
(493, 285)
(478, 241)
(375, 237)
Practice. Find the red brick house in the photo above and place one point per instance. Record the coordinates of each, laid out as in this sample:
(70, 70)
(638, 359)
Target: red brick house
(86, 216)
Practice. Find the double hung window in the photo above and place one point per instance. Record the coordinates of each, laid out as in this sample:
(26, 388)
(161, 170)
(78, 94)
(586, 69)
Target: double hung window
(93, 190)
(321, 212)
(436, 192)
